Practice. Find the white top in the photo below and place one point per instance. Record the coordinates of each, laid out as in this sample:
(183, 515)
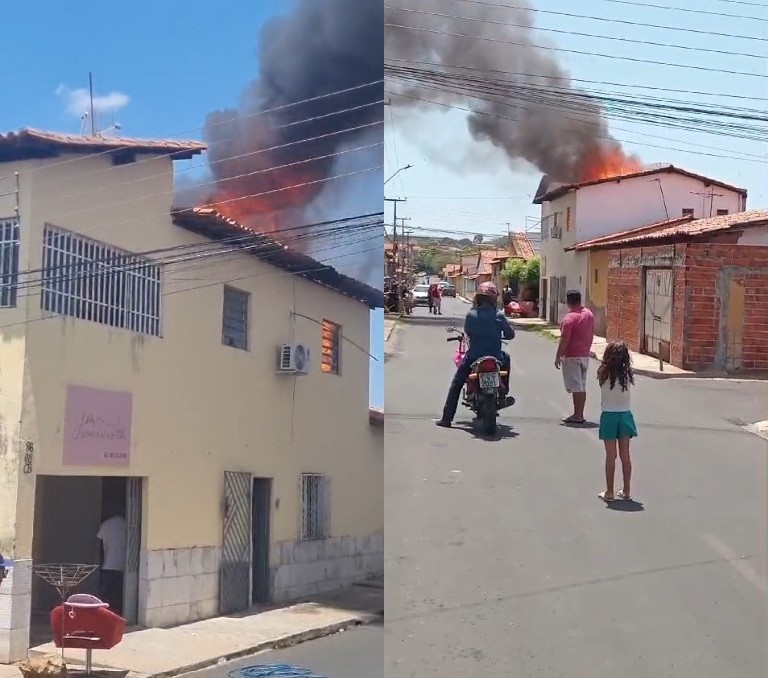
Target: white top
(615, 399)
(112, 536)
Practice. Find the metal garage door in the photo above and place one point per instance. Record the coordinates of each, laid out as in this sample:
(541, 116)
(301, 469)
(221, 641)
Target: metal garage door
(657, 323)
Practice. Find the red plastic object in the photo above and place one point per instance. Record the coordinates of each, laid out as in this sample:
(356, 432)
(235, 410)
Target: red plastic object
(86, 624)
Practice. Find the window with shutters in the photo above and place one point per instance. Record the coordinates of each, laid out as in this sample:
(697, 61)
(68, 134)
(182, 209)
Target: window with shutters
(9, 262)
(331, 347)
(234, 330)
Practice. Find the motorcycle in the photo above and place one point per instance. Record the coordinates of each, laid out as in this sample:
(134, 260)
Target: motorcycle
(486, 390)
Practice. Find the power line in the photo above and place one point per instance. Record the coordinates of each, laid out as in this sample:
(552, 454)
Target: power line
(617, 21)
(585, 35)
(576, 51)
(566, 78)
(685, 9)
(501, 117)
(245, 116)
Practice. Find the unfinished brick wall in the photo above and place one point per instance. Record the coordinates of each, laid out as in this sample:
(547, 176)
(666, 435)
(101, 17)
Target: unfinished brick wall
(708, 334)
(624, 306)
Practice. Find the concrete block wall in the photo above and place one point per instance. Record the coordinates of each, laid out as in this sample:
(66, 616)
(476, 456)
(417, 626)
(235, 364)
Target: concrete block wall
(15, 607)
(305, 568)
(177, 586)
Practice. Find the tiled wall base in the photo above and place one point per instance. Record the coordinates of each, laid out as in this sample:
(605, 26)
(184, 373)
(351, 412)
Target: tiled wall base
(15, 605)
(305, 568)
(177, 586)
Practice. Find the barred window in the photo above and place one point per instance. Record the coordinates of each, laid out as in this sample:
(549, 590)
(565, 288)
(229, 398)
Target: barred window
(331, 345)
(9, 262)
(234, 330)
(315, 506)
(93, 281)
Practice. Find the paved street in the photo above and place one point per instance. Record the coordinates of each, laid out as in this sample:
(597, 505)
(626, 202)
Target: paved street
(356, 653)
(501, 561)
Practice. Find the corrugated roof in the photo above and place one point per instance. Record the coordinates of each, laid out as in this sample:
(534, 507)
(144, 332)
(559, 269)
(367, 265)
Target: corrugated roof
(676, 230)
(557, 190)
(31, 143)
(212, 224)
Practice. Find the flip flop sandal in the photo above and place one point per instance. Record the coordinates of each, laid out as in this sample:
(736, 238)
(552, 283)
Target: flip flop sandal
(605, 498)
(624, 497)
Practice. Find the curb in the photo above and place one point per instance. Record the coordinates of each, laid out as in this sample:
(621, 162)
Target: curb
(279, 644)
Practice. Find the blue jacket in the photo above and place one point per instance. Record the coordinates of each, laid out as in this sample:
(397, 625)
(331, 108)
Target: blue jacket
(485, 326)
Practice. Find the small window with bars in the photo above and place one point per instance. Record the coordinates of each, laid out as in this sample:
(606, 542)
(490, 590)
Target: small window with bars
(9, 262)
(234, 331)
(687, 211)
(331, 347)
(722, 213)
(315, 506)
(91, 280)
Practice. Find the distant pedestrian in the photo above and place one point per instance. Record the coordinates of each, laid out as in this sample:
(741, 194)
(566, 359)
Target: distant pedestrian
(577, 331)
(617, 425)
(437, 299)
(507, 297)
(430, 300)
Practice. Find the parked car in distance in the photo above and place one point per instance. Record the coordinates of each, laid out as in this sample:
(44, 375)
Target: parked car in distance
(448, 290)
(421, 295)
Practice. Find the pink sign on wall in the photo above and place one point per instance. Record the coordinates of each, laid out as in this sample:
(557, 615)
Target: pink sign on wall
(97, 427)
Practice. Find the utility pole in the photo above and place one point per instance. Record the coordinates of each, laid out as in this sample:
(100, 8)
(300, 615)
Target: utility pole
(405, 246)
(93, 120)
(394, 202)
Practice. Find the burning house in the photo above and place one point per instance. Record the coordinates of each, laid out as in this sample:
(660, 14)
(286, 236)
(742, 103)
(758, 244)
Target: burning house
(572, 213)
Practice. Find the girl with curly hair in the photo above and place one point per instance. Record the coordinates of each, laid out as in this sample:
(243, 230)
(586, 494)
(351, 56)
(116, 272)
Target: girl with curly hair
(617, 425)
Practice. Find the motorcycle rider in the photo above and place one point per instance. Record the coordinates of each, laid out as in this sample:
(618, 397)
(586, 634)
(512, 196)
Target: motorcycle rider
(484, 326)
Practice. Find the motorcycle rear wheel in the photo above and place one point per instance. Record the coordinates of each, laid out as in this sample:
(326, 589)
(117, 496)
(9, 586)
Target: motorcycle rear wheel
(488, 419)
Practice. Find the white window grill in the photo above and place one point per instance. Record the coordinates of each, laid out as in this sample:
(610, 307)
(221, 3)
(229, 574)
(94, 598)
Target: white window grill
(91, 280)
(315, 506)
(9, 262)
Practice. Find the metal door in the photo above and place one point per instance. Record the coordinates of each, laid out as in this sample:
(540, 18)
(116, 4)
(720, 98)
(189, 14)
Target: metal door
(261, 514)
(133, 499)
(554, 296)
(657, 322)
(235, 574)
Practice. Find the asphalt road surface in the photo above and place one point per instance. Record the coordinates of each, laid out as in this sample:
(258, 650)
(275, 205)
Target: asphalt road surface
(355, 653)
(501, 561)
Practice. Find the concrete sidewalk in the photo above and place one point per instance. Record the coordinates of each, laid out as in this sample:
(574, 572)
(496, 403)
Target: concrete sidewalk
(644, 365)
(170, 652)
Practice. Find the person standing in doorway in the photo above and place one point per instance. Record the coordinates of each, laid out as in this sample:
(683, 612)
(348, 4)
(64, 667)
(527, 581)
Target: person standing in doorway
(112, 543)
(577, 332)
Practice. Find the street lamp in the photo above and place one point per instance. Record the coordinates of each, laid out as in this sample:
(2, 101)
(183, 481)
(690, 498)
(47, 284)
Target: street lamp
(398, 172)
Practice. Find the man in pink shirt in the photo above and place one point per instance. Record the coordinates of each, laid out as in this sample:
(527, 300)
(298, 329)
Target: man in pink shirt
(573, 352)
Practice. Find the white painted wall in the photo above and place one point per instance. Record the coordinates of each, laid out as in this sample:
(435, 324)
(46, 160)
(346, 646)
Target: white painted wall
(754, 236)
(608, 208)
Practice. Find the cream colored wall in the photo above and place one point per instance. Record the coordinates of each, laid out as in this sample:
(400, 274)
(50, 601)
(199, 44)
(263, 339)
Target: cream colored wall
(201, 408)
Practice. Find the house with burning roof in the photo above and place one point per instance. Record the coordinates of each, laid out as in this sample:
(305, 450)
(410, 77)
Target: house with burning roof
(577, 212)
(208, 382)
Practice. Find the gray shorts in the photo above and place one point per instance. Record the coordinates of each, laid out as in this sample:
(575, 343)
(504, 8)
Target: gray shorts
(575, 374)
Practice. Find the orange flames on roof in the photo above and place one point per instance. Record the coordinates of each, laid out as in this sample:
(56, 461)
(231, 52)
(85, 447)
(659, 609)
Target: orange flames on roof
(257, 203)
(607, 163)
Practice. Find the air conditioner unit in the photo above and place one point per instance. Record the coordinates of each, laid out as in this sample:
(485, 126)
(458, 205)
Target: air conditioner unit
(293, 359)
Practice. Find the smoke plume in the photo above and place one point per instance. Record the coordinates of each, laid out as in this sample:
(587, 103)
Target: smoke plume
(545, 120)
(318, 47)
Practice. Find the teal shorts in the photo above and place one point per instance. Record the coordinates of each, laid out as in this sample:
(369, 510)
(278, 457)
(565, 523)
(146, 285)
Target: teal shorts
(617, 425)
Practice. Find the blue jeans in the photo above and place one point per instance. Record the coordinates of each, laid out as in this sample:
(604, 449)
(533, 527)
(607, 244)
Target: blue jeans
(460, 378)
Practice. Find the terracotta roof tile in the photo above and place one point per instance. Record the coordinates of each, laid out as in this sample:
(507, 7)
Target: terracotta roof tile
(210, 223)
(522, 245)
(31, 143)
(684, 228)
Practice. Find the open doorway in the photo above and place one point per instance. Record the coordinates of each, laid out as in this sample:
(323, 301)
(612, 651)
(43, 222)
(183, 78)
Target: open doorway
(70, 514)
(261, 503)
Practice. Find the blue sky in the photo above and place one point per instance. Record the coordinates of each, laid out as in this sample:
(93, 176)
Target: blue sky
(160, 67)
(444, 195)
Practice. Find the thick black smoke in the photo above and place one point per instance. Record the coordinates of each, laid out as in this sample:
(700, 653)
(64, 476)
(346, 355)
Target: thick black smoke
(319, 47)
(561, 133)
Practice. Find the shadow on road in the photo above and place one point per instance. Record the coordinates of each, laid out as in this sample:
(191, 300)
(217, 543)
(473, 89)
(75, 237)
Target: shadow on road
(586, 424)
(630, 506)
(503, 432)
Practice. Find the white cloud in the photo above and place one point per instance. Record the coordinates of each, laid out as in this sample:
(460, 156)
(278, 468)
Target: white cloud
(77, 101)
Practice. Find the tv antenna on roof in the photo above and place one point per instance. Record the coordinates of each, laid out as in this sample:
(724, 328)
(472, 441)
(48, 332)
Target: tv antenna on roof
(115, 127)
